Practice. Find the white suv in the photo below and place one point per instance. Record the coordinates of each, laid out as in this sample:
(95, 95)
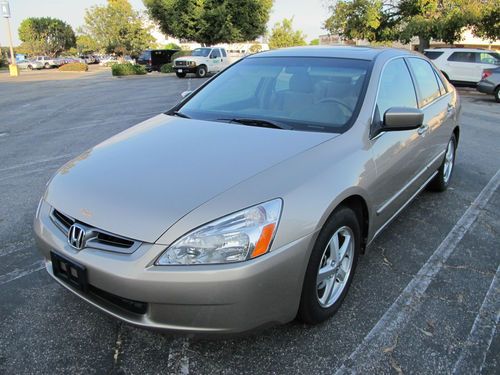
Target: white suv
(463, 64)
(202, 61)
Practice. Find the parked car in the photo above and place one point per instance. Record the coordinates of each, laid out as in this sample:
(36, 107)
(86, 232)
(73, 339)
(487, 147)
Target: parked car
(490, 83)
(106, 60)
(29, 64)
(250, 201)
(463, 64)
(201, 62)
(48, 62)
(154, 59)
(88, 59)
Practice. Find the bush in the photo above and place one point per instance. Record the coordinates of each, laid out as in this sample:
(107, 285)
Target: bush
(167, 68)
(74, 67)
(127, 69)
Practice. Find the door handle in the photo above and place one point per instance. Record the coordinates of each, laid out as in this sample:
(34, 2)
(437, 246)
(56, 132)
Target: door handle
(423, 129)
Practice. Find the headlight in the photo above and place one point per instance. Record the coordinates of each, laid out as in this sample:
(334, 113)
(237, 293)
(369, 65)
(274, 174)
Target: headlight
(192, 63)
(234, 238)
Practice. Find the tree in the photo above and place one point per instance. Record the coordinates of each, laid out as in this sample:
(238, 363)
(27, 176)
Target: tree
(85, 45)
(46, 35)
(116, 28)
(314, 42)
(488, 24)
(254, 48)
(211, 21)
(386, 20)
(172, 46)
(283, 35)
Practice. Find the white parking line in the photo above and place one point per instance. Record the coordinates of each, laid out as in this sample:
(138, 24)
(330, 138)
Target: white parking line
(477, 345)
(383, 334)
(36, 162)
(21, 272)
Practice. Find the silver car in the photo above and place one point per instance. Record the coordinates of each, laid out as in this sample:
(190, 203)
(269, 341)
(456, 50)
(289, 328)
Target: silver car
(29, 64)
(250, 202)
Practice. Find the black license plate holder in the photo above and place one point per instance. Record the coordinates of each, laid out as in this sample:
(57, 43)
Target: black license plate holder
(70, 272)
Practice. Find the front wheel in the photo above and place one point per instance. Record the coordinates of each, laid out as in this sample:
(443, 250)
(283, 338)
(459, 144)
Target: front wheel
(331, 267)
(445, 171)
(30, 67)
(201, 72)
(497, 94)
(47, 66)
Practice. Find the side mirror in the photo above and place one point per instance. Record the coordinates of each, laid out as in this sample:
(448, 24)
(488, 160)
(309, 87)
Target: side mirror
(402, 118)
(185, 94)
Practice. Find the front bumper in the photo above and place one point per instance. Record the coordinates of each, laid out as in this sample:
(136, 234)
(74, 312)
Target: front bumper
(228, 298)
(185, 69)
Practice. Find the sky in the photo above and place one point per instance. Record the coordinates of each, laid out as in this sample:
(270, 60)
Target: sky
(308, 15)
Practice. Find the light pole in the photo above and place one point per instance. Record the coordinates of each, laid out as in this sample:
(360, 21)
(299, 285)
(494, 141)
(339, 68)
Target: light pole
(5, 13)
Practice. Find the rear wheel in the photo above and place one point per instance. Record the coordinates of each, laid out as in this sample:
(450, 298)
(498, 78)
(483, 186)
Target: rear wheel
(331, 267)
(201, 72)
(445, 171)
(180, 75)
(497, 94)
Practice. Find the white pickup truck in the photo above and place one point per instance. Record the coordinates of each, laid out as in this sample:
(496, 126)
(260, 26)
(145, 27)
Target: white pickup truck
(202, 61)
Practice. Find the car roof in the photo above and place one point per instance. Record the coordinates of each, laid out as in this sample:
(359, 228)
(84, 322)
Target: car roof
(361, 53)
(444, 49)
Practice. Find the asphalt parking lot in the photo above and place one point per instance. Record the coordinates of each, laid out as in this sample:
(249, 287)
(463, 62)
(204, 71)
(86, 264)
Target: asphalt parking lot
(425, 298)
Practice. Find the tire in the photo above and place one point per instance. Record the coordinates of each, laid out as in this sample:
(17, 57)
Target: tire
(497, 94)
(445, 171)
(201, 72)
(315, 305)
(180, 75)
(47, 66)
(30, 67)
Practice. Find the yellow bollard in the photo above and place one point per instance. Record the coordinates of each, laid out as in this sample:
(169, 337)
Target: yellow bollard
(14, 70)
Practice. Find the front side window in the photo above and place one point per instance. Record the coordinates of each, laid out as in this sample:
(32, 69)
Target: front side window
(203, 52)
(215, 54)
(308, 93)
(426, 80)
(396, 88)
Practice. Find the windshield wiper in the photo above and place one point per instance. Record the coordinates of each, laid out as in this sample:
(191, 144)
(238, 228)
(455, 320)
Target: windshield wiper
(257, 122)
(179, 114)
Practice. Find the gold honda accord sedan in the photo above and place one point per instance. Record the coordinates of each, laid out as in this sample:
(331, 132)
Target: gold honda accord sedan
(250, 202)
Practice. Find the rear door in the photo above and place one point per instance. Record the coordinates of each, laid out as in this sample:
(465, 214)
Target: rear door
(436, 104)
(460, 66)
(398, 155)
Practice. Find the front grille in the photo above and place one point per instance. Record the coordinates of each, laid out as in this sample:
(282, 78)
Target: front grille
(96, 238)
(136, 307)
(181, 63)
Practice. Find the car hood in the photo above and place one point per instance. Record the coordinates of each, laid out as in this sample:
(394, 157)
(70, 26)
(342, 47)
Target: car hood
(141, 181)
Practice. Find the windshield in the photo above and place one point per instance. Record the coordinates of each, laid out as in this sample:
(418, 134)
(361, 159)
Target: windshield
(315, 94)
(146, 55)
(201, 52)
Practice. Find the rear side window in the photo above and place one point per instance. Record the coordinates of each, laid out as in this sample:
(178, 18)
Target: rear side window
(488, 58)
(462, 57)
(440, 84)
(426, 80)
(396, 88)
(432, 54)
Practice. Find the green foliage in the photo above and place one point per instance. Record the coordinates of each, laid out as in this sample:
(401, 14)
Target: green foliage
(167, 68)
(283, 35)
(314, 42)
(85, 45)
(254, 48)
(172, 46)
(74, 67)
(127, 69)
(377, 20)
(46, 35)
(211, 21)
(116, 28)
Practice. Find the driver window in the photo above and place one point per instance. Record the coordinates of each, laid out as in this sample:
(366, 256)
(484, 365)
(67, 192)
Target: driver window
(396, 88)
